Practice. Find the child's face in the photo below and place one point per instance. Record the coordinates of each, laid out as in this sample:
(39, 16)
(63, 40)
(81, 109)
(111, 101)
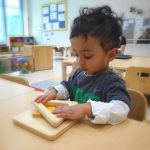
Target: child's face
(91, 56)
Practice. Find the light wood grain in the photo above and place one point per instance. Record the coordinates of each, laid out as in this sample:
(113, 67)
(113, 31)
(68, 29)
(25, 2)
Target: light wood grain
(17, 79)
(43, 57)
(135, 80)
(123, 64)
(48, 115)
(41, 127)
(37, 114)
(9, 89)
(129, 135)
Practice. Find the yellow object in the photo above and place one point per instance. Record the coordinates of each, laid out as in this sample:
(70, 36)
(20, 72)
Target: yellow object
(26, 64)
(38, 114)
(17, 65)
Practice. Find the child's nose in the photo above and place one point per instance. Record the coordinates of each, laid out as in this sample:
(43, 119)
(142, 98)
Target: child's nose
(81, 61)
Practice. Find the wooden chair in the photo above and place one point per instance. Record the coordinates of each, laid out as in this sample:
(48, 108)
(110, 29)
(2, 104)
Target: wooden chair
(138, 78)
(138, 108)
(74, 68)
(16, 79)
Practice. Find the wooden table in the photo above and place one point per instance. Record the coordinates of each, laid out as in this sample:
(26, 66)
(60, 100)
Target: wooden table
(130, 135)
(123, 64)
(10, 89)
(119, 64)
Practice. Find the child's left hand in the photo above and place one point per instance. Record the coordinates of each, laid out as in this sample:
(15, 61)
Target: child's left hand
(73, 112)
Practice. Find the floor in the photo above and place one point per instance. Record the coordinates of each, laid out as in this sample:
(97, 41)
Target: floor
(55, 75)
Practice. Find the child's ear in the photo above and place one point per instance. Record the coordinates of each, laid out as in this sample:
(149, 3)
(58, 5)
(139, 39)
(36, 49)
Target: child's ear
(112, 54)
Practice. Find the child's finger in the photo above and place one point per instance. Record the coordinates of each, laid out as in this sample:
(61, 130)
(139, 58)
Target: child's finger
(45, 100)
(39, 99)
(57, 111)
(61, 115)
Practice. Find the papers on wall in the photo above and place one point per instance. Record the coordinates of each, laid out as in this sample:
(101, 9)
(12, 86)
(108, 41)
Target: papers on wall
(61, 17)
(53, 7)
(61, 7)
(54, 16)
(49, 26)
(55, 25)
(45, 10)
(46, 19)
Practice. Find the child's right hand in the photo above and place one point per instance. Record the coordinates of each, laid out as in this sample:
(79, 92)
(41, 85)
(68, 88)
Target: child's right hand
(49, 95)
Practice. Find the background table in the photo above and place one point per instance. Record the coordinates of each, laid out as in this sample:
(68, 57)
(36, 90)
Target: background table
(123, 64)
(65, 64)
(119, 64)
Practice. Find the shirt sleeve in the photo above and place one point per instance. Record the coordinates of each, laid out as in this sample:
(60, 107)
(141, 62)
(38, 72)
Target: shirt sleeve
(62, 92)
(112, 113)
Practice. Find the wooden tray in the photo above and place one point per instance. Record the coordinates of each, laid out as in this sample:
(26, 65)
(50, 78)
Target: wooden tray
(40, 126)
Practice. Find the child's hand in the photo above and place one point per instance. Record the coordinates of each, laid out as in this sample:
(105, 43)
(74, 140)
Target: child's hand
(73, 112)
(49, 95)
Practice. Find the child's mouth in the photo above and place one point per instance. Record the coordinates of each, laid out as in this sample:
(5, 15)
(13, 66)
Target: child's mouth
(84, 69)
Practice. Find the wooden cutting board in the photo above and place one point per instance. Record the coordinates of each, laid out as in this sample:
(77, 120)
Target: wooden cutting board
(40, 126)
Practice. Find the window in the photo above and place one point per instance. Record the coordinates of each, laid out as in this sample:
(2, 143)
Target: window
(2, 29)
(11, 19)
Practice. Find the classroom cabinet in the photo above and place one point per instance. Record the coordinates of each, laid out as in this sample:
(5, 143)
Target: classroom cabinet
(39, 57)
(16, 43)
(42, 56)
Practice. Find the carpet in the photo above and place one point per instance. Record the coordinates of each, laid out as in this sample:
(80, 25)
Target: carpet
(43, 85)
(59, 58)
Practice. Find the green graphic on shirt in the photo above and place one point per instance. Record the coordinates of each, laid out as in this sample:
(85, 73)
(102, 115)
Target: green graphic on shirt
(81, 97)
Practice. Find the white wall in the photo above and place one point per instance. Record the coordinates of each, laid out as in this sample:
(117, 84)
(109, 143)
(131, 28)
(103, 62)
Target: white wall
(62, 37)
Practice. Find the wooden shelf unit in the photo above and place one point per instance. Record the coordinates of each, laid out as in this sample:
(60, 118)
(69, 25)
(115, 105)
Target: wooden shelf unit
(42, 56)
(4, 49)
(16, 43)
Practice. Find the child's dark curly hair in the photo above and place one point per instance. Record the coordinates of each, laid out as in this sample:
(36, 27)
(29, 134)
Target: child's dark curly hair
(100, 22)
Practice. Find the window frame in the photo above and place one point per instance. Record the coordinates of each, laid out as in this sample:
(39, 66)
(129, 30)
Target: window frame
(4, 21)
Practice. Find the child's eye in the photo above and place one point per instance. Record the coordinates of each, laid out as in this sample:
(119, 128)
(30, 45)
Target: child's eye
(76, 55)
(88, 57)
